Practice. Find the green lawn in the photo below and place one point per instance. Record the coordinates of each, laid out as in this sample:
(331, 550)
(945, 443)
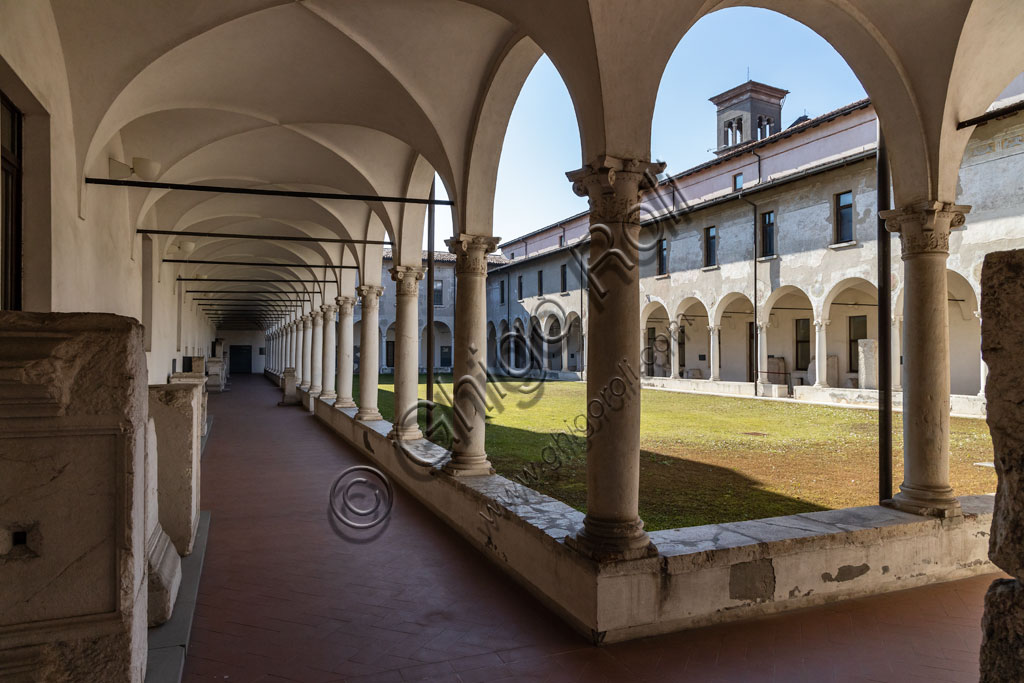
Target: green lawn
(709, 459)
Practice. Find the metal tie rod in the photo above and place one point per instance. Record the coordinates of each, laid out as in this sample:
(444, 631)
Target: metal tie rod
(253, 263)
(279, 238)
(264, 192)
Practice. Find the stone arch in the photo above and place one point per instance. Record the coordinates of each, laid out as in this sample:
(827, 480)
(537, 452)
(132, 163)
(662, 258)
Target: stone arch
(492, 345)
(693, 340)
(964, 336)
(574, 342)
(655, 341)
(851, 309)
(790, 336)
(734, 318)
(554, 343)
(442, 347)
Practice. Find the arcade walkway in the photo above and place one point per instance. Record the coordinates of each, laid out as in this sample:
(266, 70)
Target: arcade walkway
(284, 598)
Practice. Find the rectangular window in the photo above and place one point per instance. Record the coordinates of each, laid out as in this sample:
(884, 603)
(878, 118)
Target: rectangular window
(737, 181)
(681, 337)
(540, 283)
(858, 331)
(511, 255)
(565, 279)
(710, 247)
(519, 285)
(803, 343)
(768, 233)
(844, 217)
(438, 293)
(561, 240)
(501, 292)
(389, 354)
(662, 256)
(446, 356)
(10, 204)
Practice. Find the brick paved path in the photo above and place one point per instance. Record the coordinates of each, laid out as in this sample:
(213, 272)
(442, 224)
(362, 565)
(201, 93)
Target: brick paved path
(284, 598)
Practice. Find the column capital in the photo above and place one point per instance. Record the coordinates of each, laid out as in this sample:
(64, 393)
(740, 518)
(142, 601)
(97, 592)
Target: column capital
(471, 252)
(328, 310)
(714, 328)
(822, 322)
(306, 321)
(924, 226)
(407, 279)
(763, 326)
(318, 318)
(370, 294)
(345, 304)
(613, 186)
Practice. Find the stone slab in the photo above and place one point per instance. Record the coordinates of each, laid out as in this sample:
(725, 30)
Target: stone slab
(1002, 649)
(176, 632)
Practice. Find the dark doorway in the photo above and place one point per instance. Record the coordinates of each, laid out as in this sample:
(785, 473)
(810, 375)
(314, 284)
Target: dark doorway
(240, 358)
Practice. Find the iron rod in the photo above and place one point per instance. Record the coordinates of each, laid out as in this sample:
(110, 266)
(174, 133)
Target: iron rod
(230, 279)
(884, 327)
(301, 194)
(253, 263)
(278, 238)
(430, 312)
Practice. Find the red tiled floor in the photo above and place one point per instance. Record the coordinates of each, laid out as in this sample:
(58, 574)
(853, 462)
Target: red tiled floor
(284, 598)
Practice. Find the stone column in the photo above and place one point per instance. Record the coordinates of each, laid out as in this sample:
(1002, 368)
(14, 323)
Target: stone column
(612, 528)
(293, 345)
(469, 391)
(345, 328)
(1002, 337)
(924, 236)
(316, 355)
(983, 367)
(307, 352)
(714, 372)
(673, 349)
(407, 363)
(763, 377)
(821, 352)
(330, 374)
(369, 352)
(564, 348)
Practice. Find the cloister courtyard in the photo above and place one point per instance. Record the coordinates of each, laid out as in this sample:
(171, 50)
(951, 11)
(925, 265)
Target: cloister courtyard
(704, 459)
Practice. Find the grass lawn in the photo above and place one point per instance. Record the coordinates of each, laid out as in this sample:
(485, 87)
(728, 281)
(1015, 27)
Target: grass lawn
(710, 459)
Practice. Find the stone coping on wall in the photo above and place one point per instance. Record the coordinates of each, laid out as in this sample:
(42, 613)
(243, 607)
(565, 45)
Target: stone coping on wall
(701, 575)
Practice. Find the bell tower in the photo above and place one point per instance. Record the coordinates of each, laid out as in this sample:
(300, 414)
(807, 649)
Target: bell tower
(750, 111)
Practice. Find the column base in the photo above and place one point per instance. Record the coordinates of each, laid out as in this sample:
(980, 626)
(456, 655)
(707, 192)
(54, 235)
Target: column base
(344, 403)
(314, 390)
(607, 541)
(925, 502)
(304, 387)
(369, 415)
(328, 395)
(464, 465)
(406, 434)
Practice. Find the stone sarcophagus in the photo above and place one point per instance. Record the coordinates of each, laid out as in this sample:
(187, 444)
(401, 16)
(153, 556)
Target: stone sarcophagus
(216, 370)
(73, 597)
(176, 410)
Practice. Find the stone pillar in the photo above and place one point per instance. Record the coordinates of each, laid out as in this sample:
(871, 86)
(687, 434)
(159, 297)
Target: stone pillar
(924, 236)
(407, 358)
(316, 357)
(305, 365)
(73, 591)
(345, 329)
(867, 364)
(175, 409)
(821, 352)
(1002, 338)
(469, 391)
(673, 349)
(292, 346)
(163, 564)
(330, 374)
(612, 528)
(763, 377)
(563, 343)
(369, 352)
(714, 371)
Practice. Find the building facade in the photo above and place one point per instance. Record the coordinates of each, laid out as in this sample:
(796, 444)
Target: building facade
(795, 212)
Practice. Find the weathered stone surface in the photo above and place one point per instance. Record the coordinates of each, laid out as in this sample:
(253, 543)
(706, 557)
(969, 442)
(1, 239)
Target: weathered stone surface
(1002, 650)
(176, 410)
(216, 370)
(289, 388)
(163, 566)
(72, 431)
(1002, 339)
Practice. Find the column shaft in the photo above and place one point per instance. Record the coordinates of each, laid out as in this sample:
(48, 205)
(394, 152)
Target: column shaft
(369, 352)
(713, 332)
(307, 351)
(316, 373)
(821, 353)
(345, 329)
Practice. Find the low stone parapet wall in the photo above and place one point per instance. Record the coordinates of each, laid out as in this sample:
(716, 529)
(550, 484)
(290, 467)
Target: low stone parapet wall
(702, 575)
(959, 404)
(700, 386)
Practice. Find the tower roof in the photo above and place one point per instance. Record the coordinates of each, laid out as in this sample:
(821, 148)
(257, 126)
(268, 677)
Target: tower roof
(749, 90)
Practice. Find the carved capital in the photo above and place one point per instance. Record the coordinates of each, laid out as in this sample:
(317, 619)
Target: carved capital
(820, 323)
(370, 294)
(407, 279)
(329, 311)
(924, 227)
(306, 321)
(318, 318)
(346, 304)
(613, 187)
(714, 328)
(471, 252)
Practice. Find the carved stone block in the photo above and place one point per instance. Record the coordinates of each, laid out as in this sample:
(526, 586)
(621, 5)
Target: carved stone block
(163, 565)
(176, 411)
(1002, 650)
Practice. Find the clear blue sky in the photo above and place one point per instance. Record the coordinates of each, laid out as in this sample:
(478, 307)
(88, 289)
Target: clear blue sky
(542, 141)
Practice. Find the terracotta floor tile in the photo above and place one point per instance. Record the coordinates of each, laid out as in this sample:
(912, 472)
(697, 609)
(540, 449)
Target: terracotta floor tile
(284, 598)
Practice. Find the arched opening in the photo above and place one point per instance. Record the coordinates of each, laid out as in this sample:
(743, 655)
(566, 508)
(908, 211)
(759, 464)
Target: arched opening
(492, 345)
(574, 342)
(693, 340)
(851, 309)
(389, 347)
(737, 345)
(964, 336)
(442, 347)
(555, 345)
(520, 351)
(505, 346)
(655, 344)
(790, 337)
(535, 343)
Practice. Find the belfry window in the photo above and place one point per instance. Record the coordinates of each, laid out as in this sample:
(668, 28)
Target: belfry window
(10, 206)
